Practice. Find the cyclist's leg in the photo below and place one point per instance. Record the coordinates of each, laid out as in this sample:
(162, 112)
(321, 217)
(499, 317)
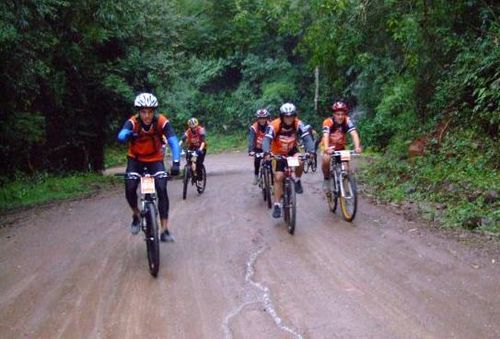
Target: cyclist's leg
(158, 170)
(325, 165)
(134, 170)
(257, 162)
(199, 162)
(279, 175)
(298, 171)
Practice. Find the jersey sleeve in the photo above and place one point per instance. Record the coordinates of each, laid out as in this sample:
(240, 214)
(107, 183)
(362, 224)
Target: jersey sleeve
(350, 125)
(327, 124)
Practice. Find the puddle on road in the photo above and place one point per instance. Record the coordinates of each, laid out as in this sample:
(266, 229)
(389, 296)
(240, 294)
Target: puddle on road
(256, 293)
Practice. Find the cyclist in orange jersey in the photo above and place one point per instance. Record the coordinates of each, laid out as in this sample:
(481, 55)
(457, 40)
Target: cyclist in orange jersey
(195, 139)
(282, 139)
(256, 134)
(335, 129)
(145, 132)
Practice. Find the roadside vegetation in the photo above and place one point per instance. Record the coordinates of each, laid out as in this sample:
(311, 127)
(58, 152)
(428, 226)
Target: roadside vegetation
(422, 78)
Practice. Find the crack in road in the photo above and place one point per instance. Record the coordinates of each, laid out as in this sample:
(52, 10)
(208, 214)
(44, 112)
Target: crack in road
(257, 293)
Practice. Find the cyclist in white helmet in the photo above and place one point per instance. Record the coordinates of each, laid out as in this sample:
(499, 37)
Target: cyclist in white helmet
(256, 134)
(282, 139)
(145, 131)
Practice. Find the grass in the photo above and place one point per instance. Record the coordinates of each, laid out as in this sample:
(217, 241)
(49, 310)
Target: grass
(43, 188)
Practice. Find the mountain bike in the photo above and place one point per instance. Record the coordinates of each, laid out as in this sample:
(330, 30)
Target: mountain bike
(289, 199)
(189, 174)
(311, 163)
(265, 179)
(343, 185)
(149, 218)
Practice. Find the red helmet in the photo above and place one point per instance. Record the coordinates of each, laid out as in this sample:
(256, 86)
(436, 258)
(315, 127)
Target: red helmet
(340, 106)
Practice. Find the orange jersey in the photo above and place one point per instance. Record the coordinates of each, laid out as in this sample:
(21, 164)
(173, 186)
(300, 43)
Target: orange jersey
(284, 139)
(259, 135)
(194, 139)
(337, 132)
(147, 146)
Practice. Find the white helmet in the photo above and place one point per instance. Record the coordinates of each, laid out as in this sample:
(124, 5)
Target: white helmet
(146, 100)
(288, 109)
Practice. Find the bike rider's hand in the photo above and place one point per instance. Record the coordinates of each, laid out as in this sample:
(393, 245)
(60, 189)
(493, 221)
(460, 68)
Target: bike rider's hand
(330, 150)
(175, 169)
(358, 149)
(199, 152)
(251, 153)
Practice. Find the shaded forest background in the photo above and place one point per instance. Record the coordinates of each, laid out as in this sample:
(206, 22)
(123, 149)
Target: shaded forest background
(70, 71)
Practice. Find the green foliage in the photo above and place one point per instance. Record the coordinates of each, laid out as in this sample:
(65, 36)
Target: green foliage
(458, 176)
(42, 188)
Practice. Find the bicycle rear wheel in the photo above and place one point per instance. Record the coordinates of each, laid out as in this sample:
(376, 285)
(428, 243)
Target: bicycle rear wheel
(186, 177)
(201, 184)
(349, 197)
(290, 206)
(152, 239)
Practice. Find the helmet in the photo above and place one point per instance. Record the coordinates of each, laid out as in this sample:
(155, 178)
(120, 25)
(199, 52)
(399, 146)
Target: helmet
(146, 100)
(262, 113)
(288, 109)
(340, 106)
(193, 122)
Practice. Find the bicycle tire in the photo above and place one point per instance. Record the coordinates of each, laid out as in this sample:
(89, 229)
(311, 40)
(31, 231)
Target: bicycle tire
(306, 166)
(201, 188)
(314, 164)
(349, 200)
(152, 239)
(187, 174)
(291, 207)
(331, 197)
(267, 188)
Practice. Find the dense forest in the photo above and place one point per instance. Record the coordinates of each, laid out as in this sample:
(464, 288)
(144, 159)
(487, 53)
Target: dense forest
(426, 71)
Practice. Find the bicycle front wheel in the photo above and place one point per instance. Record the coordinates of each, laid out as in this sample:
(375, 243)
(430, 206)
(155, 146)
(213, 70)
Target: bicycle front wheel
(186, 177)
(348, 197)
(152, 239)
(314, 164)
(267, 187)
(290, 206)
(201, 184)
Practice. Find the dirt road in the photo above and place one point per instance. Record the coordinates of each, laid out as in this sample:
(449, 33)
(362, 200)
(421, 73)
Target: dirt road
(73, 270)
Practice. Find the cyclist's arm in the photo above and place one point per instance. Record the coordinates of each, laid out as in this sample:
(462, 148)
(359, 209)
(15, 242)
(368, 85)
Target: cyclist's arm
(173, 142)
(326, 135)
(266, 143)
(305, 135)
(203, 135)
(126, 132)
(251, 139)
(356, 140)
(351, 128)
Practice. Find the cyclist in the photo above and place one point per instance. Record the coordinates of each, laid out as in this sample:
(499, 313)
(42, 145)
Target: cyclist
(335, 129)
(256, 134)
(195, 138)
(282, 139)
(145, 132)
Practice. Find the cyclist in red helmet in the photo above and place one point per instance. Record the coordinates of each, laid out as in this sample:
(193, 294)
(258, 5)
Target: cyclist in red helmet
(195, 139)
(335, 129)
(256, 134)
